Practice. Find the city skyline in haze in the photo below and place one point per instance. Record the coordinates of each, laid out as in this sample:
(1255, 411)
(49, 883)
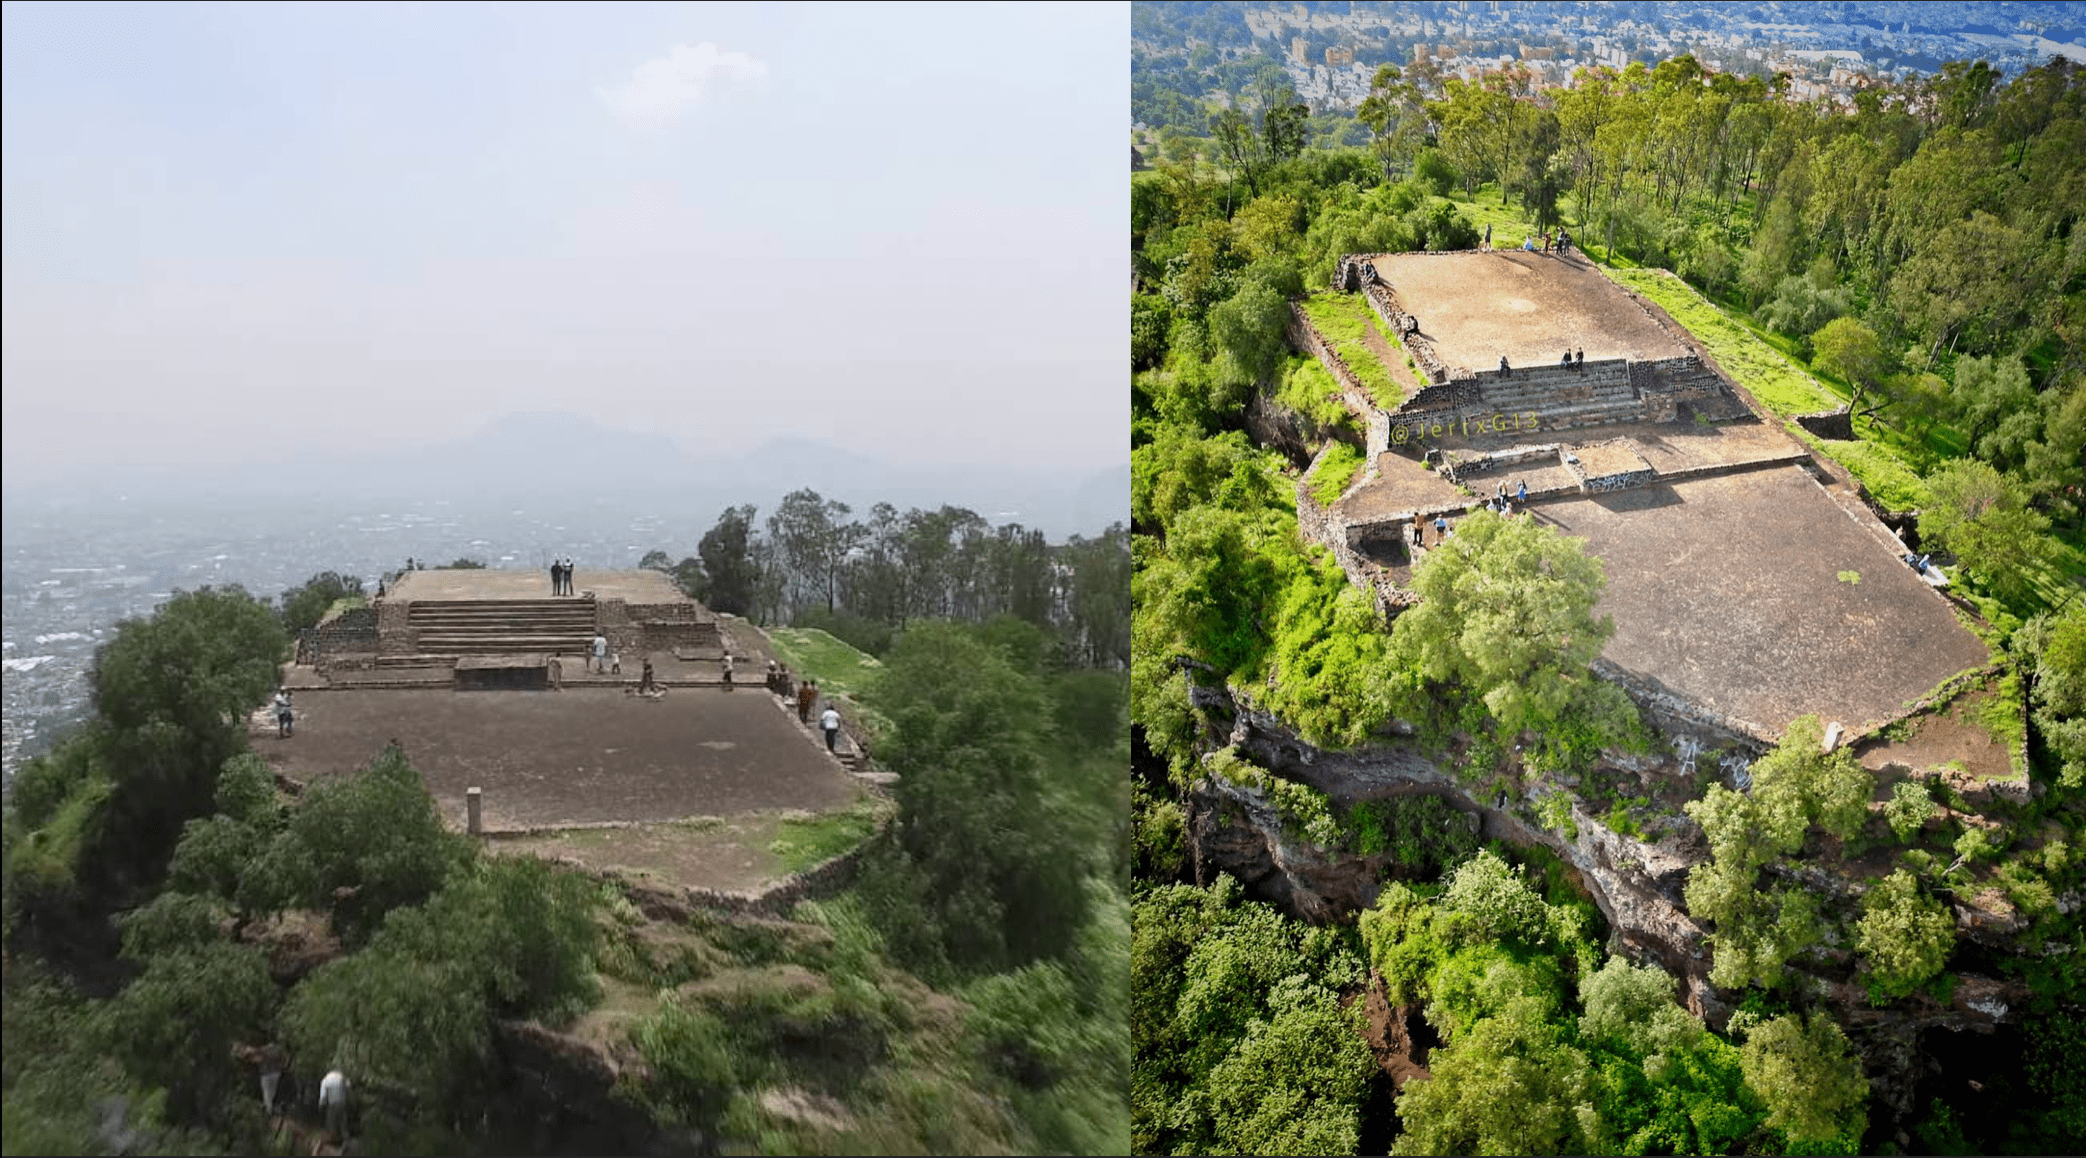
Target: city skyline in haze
(238, 234)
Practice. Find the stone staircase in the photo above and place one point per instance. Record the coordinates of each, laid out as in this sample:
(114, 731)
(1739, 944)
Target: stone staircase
(446, 629)
(1565, 399)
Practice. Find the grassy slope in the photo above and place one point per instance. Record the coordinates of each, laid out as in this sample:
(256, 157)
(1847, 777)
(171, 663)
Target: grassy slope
(1343, 319)
(841, 672)
(1335, 472)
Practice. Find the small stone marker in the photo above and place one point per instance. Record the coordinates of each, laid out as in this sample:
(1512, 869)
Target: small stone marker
(1832, 735)
(474, 800)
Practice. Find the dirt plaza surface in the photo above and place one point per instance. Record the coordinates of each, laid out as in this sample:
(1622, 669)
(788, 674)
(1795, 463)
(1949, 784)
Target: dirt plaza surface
(574, 757)
(1401, 484)
(1531, 307)
(641, 587)
(1729, 591)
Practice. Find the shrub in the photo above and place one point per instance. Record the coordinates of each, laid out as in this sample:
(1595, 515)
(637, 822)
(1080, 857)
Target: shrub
(1905, 936)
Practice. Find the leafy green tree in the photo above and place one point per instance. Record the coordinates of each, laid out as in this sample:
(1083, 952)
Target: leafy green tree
(1396, 117)
(523, 926)
(1908, 809)
(1178, 470)
(986, 871)
(1284, 124)
(414, 1026)
(1798, 778)
(174, 1025)
(304, 606)
(1506, 620)
(1996, 406)
(1847, 349)
(1813, 1086)
(358, 847)
(1632, 1006)
(1904, 936)
(1248, 328)
(2054, 465)
(726, 551)
(1295, 1082)
(1099, 624)
(2052, 647)
(1270, 226)
(1513, 1084)
(1227, 994)
(175, 690)
(1490, 902)
(813, 543)
(1795, 786)
(1983, 518)
(1240, 147)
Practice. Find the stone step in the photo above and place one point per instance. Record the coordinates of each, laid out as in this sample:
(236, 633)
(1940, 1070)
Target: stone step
(507, 627)
(417, 660)
(560, 615)
(1535, 397)
(507, 643)
(499, 604)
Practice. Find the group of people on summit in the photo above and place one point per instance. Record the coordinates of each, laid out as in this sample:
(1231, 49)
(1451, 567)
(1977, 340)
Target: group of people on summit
(561, 577)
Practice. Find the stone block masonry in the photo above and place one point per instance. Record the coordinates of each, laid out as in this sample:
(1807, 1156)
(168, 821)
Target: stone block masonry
(1606, 466)
(351, 633)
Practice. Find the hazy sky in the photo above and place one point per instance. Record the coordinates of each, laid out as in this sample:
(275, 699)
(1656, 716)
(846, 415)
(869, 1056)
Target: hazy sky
(245, 231)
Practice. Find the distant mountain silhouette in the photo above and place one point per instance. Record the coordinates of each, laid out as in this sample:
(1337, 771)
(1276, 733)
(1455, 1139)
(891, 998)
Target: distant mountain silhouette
(569, 463)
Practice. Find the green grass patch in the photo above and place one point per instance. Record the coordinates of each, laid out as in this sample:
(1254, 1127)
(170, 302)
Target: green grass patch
(345, 603)
(1887, 477)
(1343, 320)
(1850, 577)
(805, 841)
(842, 672)
(1885, 466)
(2001, 716)
(1309, 390)
(1334, 473)
(1510, 223)
(1778, 383)
(50, 855)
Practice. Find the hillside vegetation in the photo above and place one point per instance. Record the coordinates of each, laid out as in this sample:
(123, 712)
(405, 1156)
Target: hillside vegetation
(1914, 260)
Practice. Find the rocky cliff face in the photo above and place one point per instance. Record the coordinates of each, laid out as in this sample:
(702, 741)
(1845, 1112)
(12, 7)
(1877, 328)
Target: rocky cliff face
(1637, 885)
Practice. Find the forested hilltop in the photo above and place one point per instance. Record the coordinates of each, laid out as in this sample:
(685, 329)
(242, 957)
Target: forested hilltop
(1820, 958)
(175, 909)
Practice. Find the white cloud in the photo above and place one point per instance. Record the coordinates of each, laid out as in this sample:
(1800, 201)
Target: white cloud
(663, 88)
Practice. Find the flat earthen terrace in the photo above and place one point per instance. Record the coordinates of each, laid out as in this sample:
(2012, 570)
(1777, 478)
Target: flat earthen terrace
(481, 676)
(1530, 307)
(1741, 585)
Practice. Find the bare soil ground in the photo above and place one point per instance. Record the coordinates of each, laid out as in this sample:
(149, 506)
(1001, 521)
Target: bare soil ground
(1528, 306)
(1387, 1031)
(1727, 590)
(727, 854)
(1951, 738)
(513, 583)
(1669, 448)
(583, 755)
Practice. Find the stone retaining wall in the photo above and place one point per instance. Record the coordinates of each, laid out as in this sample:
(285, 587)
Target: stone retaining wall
(1320, 525)
(817, 883)
(1273, 424)
(349, 633)
(1383, 298)
(1621, 481)
(1675, 713)
(1837, 425)
(395, 632)
(1305, 336)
